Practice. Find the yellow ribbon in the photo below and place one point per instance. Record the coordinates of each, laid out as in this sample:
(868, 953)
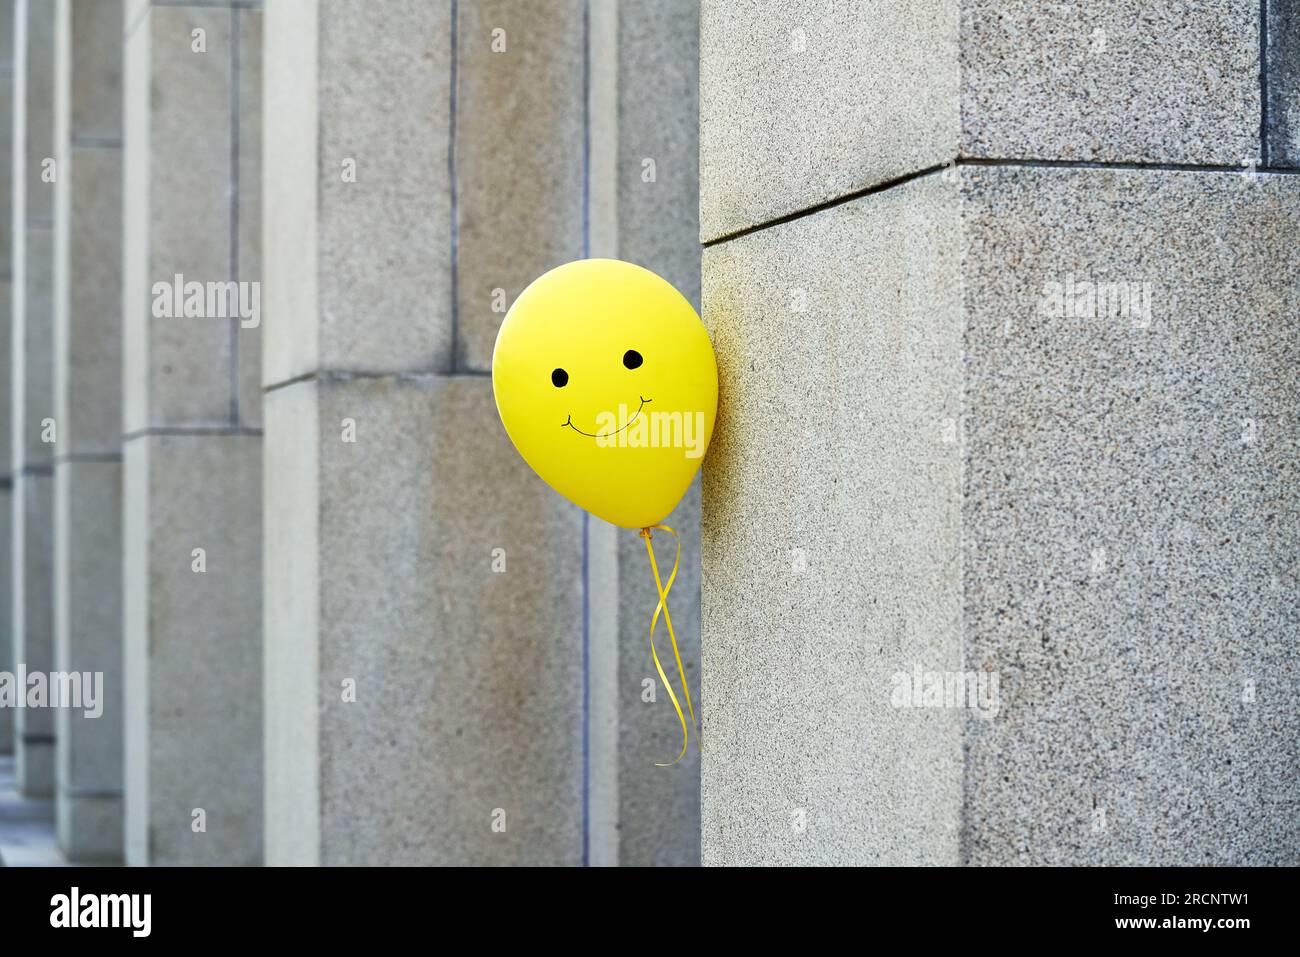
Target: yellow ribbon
(681, 672)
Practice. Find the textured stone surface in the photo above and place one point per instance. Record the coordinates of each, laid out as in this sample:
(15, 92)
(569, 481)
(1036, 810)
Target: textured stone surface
(247, 206)
(34, 341)
(87, 360)
(487, 663)
(179, 141)
(658, 89)
(26, 825)
(39, 132)
(1118, 551)
(88, 340)
(829, 533)
(136, 279)
(519, 158)
(6, 161)
(291, 620)
(1172, 81)
(7, 660)
(291, 177)
(1282, 80)
(96, 90)
(33, 602)
(1129, 532)
(31, 377)
(384, 239)
(521, 119)
(193, 650)
(6, 360)
(804, 101)
(89, 829)
(88, 638)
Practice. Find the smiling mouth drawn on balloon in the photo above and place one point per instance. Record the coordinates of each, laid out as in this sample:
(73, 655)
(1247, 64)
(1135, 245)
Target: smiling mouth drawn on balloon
(605, 435)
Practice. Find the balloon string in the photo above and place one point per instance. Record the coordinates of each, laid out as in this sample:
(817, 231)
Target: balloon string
(681, 671)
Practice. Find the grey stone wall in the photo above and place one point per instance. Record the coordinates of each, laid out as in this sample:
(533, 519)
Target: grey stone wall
(422, 167)
(31, 355)
(411, 556)
(931, 457)
(88, 402)
(191, 440)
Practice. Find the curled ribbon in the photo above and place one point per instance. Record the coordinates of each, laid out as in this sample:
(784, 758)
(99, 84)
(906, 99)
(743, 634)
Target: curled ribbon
(681, 672)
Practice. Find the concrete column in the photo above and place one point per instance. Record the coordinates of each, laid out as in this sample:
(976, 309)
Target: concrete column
(88, 403)
(192, 443)
(952, 446)
(34, 183)
(6, 335)
(452, 580)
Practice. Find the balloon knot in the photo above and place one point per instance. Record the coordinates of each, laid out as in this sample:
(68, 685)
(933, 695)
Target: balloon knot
(645, 533)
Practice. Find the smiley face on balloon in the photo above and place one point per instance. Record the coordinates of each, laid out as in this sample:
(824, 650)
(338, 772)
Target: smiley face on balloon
(606, 383)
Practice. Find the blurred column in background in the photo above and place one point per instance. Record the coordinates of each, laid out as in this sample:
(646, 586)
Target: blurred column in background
(1027, 416)
(6, 345)
(88, 410)
(34, 430)
(192, 442)
(442, 657)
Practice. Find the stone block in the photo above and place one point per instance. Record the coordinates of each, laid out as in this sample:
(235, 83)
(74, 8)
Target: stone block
(89, 828)
(519, 158)
(449, 580)
(7, 32)
(88, 341)
(658, 88)
(1067, 472)
(32, 419)
(829, 535)
(379, 209)
(1172, 81)
(193, 650)
(7, 660)
(6, 364)
(804, 103)
(6, 158)
(180, 135)
(1128, 541)
(88, 638)
(33, 605)
(96, 88)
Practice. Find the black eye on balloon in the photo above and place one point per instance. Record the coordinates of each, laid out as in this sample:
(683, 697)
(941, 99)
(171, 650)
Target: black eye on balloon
(632, 358)
(559, 378)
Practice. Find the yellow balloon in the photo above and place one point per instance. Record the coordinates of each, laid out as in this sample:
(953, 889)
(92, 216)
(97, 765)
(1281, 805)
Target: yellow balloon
(607, 385)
